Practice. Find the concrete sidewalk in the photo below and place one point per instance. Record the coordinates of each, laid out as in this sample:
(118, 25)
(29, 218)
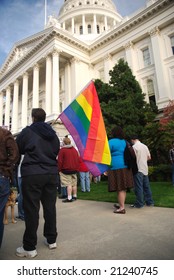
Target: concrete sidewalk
(90, 230)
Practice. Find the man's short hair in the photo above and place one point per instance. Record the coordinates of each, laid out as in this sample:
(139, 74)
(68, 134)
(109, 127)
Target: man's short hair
(38, 114)
(66, 140)
(134, 137)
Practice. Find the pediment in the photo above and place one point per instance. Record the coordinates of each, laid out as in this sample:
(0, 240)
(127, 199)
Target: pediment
(21, 49)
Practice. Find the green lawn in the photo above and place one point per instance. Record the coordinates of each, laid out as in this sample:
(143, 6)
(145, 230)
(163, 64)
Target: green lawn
(163, 194)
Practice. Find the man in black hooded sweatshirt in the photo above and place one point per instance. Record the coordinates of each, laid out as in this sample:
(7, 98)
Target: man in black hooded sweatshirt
(40, 146)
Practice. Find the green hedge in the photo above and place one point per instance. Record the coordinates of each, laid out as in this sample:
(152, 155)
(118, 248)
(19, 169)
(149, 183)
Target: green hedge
(159, 173)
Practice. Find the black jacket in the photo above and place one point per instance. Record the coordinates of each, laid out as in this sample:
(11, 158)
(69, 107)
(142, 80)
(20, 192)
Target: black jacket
(40, 146)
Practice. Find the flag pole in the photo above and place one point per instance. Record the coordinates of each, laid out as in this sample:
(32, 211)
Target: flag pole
(45, 12)
(78, 94)
(92, 80)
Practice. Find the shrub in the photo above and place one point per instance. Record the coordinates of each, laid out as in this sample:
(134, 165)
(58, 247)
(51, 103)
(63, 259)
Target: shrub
(159, 173)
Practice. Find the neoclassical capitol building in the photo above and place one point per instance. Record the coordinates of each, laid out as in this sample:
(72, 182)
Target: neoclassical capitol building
(84, 42)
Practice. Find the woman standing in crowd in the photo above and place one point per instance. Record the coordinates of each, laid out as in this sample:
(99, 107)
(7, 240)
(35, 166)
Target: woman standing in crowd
(120, 178)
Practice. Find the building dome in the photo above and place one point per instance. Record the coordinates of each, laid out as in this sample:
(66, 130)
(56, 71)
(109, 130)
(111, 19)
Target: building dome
(88, 19)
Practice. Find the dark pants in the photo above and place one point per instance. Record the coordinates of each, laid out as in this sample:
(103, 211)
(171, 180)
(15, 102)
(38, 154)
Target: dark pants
(38, 188)
(4, 194)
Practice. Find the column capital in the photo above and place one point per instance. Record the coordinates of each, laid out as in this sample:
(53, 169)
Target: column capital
(91, 66)
(56, 52)
(25, 75)
(67, 63)
(128, 45)
(108, 57)
(36, 66)
(154, 31)
(48, 56)
(8, 88)
(16, 82)
(75, 59)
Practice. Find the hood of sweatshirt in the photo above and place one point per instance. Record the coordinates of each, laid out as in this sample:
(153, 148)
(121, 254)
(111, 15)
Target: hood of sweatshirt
(44, 130)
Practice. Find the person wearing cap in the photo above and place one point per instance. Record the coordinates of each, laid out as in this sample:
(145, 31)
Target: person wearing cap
(142, 186)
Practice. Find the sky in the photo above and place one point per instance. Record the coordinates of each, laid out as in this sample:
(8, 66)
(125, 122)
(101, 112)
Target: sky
(22, 18)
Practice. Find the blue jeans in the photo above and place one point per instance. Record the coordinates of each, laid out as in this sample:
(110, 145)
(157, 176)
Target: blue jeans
(20, 199)
(142, 190)
(85, 181)
(4, 193)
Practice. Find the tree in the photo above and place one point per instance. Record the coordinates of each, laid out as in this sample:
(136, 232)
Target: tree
(122, 101)
(158, 135)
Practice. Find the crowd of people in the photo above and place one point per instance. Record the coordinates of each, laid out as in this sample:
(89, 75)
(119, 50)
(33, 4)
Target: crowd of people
(44, 166)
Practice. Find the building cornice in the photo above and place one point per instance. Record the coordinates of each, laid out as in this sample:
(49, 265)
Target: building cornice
(54, 33)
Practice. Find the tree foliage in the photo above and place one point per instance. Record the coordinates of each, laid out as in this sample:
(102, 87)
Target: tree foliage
(122, 101)
(159, 135)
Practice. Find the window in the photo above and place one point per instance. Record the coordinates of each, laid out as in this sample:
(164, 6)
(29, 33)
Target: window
(151, 91)
(150, 87)
(89, 29)
(146, 57)
(81, 29)
(98, 29)
(172, 43)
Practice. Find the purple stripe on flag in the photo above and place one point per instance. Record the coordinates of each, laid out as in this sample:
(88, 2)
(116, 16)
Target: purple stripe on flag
(74, 133)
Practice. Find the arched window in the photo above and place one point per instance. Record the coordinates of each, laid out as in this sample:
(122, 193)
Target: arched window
(98, 29)
(89, 29)
(81, 29)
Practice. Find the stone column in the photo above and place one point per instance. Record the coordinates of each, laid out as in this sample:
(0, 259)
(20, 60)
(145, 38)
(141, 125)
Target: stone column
(36, 86)
(84, 24)
(55, 84)
(7, 107)
(161, 75)
(68, 87)
(94, 24)
(107, 67)
(74, 76)
(72, 25)
(1, 108)
(106, 23)
(130, 56)
(14, 120)
(48, 85)
(24, 120)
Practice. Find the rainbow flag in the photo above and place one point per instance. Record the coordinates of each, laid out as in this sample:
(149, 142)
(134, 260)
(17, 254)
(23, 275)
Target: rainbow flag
(84, 121)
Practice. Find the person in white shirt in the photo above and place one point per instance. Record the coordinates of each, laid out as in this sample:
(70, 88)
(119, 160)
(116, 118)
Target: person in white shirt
(142, 186)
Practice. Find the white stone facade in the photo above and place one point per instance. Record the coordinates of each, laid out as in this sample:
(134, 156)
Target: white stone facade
(84, 42)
